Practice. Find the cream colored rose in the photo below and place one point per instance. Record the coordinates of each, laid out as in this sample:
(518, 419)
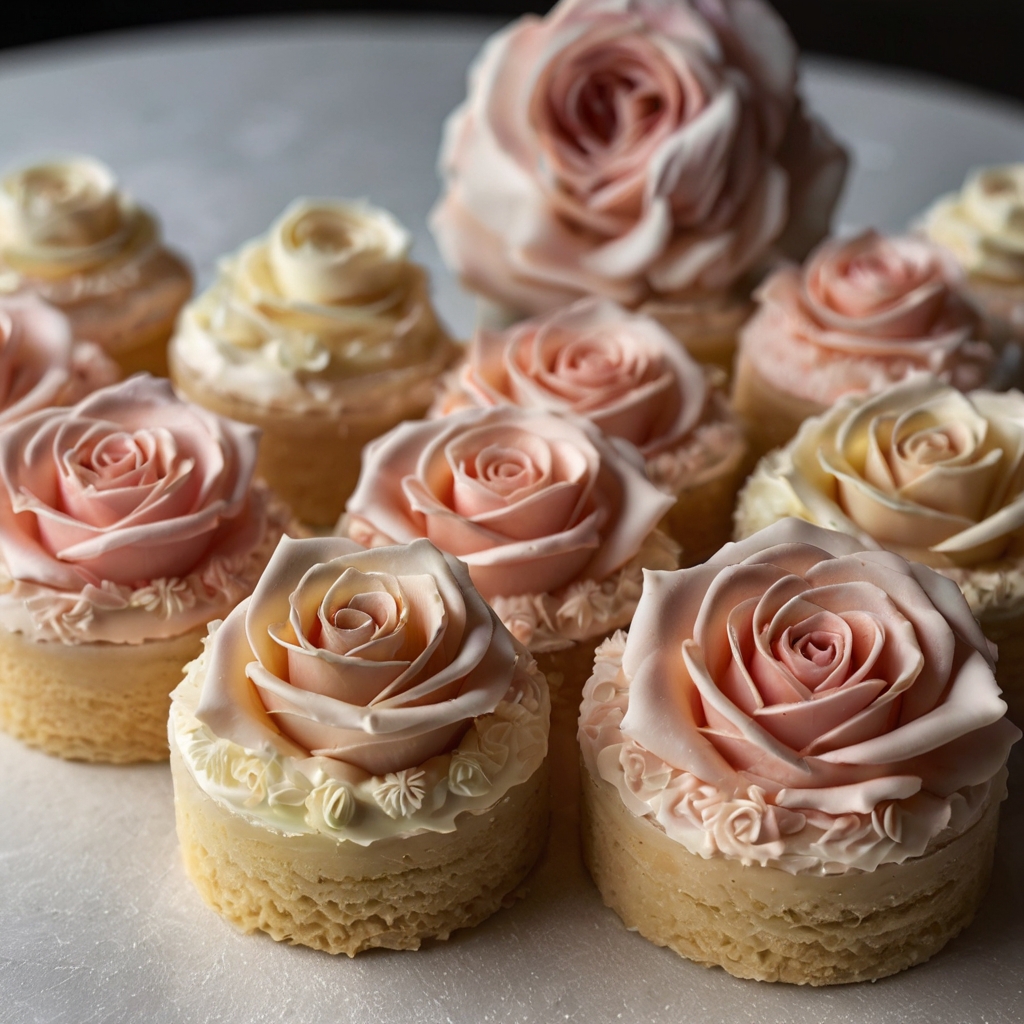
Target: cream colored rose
(983, 224)
(920, 468)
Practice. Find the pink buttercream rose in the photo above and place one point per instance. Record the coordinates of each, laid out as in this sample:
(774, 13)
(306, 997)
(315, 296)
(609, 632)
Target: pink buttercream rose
(379, 658)
(41, 364)
(623, 372)
(530, 501)
(816, 676)
(631, 148)
(863, 314)
(128, 486)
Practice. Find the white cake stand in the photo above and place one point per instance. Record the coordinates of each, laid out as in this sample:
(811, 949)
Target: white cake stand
(218, 129)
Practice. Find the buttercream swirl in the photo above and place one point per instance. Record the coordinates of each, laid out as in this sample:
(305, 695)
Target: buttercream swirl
(862, 314)
(631, 148)
(130, 502)
(361, 694)
(323, 313)
(983, 223)
(801, 703)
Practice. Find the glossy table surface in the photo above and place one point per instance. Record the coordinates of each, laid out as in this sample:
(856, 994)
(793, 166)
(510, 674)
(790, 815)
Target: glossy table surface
(218, 129)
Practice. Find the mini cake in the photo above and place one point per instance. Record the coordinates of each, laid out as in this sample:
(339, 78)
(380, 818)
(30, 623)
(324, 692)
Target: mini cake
(629, 377)
(928, 472)
(794, 762)
(322, 334)
(982, 225)
(127, 522)
(359, 755)
(555, 523)
(69, 234)
(650, 153)
(41, 364)
(861, 315)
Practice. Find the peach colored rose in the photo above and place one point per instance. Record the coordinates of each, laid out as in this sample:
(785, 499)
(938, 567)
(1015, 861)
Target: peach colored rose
(530, 501)
(128, 486)
(863, 314)
(623, 372)
(40, 362)
(631, 148)
(829, 677)
(378, 658)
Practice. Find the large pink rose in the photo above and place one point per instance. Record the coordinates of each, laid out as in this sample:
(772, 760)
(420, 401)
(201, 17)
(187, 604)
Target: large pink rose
(379, 658)
(865, 313)
(623, 372)
(529, 501)
(631, 148)
(40, 362)
(831, 677)
(128, 486)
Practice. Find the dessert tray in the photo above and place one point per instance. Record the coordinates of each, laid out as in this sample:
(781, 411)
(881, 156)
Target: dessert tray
(218, 128)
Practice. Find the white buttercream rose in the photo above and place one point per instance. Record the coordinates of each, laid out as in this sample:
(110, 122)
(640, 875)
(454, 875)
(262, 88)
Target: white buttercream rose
(530, 501)
(630, 149)
(862, 314)
(921, 469)
(128, 486)
(377, 658)
(802, 679)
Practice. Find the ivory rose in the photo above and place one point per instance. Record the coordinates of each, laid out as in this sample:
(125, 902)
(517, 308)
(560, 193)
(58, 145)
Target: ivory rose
(795, 685)
(528, 500)
(920, 468)
(623, 372)
(631, 149)
(128, 486)
(863, 314)
(379, 658)
(40, 362)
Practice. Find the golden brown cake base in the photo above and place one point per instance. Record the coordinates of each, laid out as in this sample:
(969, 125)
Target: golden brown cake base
(311, 461)
(147, 352)
(340, 897)
(567, 670)
(772, 417)
(92, 702)
(1007, 633)
(767, 924)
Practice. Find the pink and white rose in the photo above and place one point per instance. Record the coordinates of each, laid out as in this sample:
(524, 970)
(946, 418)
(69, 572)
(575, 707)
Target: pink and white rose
(129, 485)
(378, 658)
(632, 148)
(862, 314)
(529, 501)
(821, 677)
(41, 364)
(623, 372)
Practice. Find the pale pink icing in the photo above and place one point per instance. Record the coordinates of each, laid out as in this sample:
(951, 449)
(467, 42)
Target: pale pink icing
(810, 681)
(41, 364)
(530, 501)
(380, 659)
(864, 314)
(128, 486)
(630, 148)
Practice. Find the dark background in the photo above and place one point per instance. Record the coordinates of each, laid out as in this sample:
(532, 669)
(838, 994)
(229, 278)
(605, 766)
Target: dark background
(978, 42)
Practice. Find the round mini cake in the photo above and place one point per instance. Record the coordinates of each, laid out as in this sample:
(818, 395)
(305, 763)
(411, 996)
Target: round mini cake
(928, 472)
(862, 314)
(654, 154)
(71, 235)
(628, 376)
(794, 762)
(981, 226)
(127, 523)
(322, 334)
(359, 755)
(555, 523)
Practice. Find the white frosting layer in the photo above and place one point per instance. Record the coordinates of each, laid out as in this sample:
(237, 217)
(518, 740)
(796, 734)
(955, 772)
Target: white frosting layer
(711, 823)
(303, 795)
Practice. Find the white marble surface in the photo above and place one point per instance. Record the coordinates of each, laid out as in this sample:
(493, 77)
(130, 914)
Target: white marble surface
(218, 129)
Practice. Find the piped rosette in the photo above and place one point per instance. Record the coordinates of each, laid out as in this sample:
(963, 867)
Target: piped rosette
(629, 377)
